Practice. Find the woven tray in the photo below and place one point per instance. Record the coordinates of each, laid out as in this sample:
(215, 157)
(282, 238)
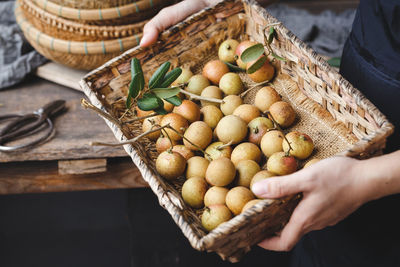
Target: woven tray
(339, 119)
(58, 27)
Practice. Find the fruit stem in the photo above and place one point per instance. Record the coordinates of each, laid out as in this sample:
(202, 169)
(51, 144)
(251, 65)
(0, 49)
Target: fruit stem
(181, 135)
(252, 87)
(133, 140)
(194, 96)
(140, 118)
(224, 145)
(87, 105)
(276, 126)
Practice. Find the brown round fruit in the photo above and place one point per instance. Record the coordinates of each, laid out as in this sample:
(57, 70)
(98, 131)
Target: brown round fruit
(237, 197)
(311, 162)
(247, 112)
(163, 143)
(189, 110)
(283, 113)
(168, 106)
(170, 165)
(230, 103)
(231, 84)
(184, 151)
(246, 170)
(199, 133)
(231, 128)
(197, 83)
(214, 216)
(227, 49)
(214, 70)
(250, 204)
(215, 196)
(246, 151)
(196, 167)
(261, 175)
(265, 73)
(142, 113)
(193, 191)
(148, 125)
(220, 172)
(301, 145)
(258, 127)
(183, 78)
(265, 97)
(214, 151)
(239, 50)
(271, 142)
(211, 92)
(176, 121)
(211, 115)
(281, 164)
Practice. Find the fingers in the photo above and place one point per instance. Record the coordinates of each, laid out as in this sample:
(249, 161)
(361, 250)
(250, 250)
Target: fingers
(281, 186)
(168, 17)
(289, 237)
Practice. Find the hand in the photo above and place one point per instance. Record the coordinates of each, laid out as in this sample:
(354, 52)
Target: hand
(169, 16)
(332, 189)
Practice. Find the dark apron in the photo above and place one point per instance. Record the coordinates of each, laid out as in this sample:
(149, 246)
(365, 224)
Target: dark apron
(371, 62)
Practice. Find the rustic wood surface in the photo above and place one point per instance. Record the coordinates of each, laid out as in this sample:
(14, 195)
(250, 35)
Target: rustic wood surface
(75, 129)
(43, 176)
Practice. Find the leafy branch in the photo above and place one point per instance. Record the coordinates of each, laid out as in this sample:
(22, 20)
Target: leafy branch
(151, 98)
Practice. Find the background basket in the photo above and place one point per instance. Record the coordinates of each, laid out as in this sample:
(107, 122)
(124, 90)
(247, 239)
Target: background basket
(117, 15)
(80, 55)
(71, 30)
(337, 116)
(90, 4)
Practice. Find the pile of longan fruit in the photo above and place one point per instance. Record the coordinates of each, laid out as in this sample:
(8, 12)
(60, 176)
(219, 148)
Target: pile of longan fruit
(224, 147)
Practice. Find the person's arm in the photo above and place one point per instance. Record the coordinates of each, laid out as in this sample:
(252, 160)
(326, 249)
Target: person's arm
(332, 189)
(169, 16)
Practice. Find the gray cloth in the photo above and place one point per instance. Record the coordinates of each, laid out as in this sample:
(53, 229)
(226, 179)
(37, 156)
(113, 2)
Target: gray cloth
(17, 58)
(326, 32)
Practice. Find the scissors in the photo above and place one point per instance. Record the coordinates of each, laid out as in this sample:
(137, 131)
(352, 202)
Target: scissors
(21, 126)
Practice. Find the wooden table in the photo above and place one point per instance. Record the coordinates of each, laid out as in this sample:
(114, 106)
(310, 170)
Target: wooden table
(38, 170)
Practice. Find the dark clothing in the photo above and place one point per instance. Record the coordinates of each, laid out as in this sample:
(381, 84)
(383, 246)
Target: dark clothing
(371, 62)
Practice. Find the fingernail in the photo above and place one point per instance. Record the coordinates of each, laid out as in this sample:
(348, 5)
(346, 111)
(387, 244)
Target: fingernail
(143, 40)
(257, 189)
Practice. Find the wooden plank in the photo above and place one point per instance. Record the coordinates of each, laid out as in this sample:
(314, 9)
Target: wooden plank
(82, 166)
(42, 176)
(60, 74)
(75, 129)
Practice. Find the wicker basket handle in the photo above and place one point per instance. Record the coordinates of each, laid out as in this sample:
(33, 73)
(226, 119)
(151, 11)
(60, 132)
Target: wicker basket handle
(97, 14)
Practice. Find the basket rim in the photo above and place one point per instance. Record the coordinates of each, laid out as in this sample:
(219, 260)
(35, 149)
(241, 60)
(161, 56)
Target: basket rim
(97, 14)
(386, 128)
(75, 25)
(73, 47)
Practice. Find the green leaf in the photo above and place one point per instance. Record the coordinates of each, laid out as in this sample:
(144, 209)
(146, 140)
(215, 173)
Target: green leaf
(257, 65)
(233, 67)
(271, 35)
(137, 81)
(175, 100)
(158, 76)
(252, 53)
(166, 92)
(170, 77)
(160, 111)
(334, 62)
(278, 57)
(150, 102)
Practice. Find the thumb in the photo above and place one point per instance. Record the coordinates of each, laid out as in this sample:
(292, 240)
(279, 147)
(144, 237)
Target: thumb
(167, 17)
(280, 186)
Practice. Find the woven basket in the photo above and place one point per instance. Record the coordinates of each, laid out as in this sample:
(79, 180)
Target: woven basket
(339, 119)
(75, 31)
(117, 15)
(91, 4)
(74, 54)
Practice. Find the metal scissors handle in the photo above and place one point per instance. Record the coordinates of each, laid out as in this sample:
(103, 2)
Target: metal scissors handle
(25, 125)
